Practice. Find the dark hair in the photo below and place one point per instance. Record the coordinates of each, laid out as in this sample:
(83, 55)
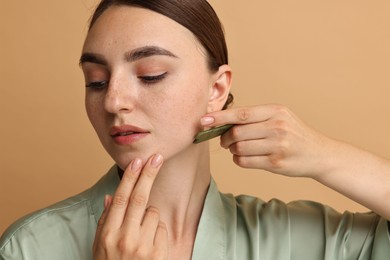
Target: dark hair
(196, 15)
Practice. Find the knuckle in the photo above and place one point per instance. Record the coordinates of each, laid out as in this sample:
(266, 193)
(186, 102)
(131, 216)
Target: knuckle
(278, 156)
(106, 241)
(281, 125)
(235, 132)
(125, 246)
(279, 109)
(162, 226)
(143, 252)
(150, 173)
(243, 114)
(284, 148)
(130, 177)
(280, 128)
(224, 143)
(275, 161)
(120, 200)
(139, 200)
(238, 148)
(241, 161)
(153, 213)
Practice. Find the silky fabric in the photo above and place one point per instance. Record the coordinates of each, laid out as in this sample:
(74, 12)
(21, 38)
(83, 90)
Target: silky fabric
(230, 227)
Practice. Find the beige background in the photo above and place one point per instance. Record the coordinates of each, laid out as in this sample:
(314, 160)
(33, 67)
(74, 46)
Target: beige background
(326, 60)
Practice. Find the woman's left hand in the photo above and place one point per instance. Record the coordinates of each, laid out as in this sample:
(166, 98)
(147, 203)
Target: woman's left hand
(272, 138)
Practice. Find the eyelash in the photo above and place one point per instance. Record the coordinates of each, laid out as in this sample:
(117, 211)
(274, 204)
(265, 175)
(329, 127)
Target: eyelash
(97, 85)
(148, 80)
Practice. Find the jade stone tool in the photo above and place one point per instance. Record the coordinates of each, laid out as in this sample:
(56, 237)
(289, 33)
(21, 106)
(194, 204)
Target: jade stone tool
(211, 133)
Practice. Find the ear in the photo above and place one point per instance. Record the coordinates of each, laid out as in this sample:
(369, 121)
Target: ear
(220, 88)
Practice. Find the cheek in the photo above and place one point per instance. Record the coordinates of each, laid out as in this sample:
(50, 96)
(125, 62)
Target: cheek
(189, 105)
(91, 107)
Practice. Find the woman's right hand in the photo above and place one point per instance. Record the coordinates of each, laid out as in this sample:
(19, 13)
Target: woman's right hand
(127, 229)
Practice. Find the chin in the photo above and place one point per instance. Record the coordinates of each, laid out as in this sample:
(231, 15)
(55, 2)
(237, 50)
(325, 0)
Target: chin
(124, 159)
(123, 156)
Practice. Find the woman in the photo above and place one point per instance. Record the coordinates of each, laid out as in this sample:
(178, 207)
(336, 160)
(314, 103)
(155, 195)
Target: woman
(156, 74)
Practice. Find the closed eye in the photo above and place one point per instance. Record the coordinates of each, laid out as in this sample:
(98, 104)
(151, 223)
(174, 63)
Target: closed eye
(97, 85)
(152, 79)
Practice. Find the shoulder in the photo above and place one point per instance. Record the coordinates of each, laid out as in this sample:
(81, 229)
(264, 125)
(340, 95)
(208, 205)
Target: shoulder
(307, 228)
(66, 227)
(48, 220)
(250, 205)
(246, 204)
(59, 208)
(300, 213)
(254, 213)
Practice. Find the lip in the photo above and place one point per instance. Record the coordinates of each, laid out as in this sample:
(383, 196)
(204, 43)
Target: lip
(127, 134)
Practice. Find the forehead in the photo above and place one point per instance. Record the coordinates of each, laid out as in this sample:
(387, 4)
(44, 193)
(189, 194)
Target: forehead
(132, 27)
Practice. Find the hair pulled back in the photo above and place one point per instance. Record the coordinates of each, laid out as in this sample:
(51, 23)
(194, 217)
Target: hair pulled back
(196, 15)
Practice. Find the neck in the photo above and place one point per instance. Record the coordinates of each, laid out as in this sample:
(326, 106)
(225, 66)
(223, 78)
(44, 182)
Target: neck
(179, 192)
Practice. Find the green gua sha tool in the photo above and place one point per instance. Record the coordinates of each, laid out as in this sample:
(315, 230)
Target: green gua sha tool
(211, 133)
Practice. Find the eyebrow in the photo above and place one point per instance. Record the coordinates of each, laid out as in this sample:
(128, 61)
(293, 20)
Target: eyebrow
(147, 51)
(131, 56)
(92, 58)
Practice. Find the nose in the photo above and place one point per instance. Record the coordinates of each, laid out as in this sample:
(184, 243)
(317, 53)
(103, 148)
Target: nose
(119, 97)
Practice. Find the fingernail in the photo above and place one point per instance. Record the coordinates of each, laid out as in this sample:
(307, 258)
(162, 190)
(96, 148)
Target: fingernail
(136, 165)
(157, 160)
(106, 202)
(207, 120)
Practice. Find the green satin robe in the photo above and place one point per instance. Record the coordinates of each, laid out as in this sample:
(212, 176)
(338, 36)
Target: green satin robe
(231, 227)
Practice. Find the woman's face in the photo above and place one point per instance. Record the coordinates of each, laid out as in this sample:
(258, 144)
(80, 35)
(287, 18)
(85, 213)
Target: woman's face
(147, 84)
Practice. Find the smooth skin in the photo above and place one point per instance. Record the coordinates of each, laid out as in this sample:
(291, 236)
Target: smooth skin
(154, 77)
(156, 210)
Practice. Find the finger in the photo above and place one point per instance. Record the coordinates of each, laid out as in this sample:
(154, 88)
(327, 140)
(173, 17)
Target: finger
(252, 148)
(121, 197)
(149, 225)
(161, 240)
(140, 196)
(102, 219)
(245, 132)
(241, 115)
(269, 162)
